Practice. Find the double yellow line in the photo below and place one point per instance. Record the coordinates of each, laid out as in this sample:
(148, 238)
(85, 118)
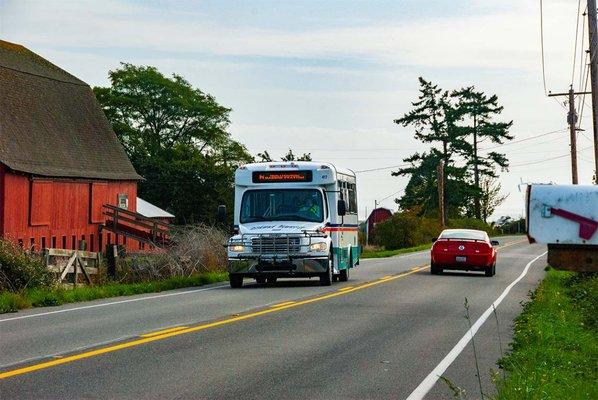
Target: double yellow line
(181, 330)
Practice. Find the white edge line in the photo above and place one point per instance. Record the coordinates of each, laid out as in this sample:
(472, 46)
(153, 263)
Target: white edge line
(429, 381)
(110, 303)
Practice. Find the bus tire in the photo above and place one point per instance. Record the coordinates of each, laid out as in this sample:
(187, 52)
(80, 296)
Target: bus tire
(235, 280)
(260, 279)
(343, 276)
(271, 280)
(326, 277)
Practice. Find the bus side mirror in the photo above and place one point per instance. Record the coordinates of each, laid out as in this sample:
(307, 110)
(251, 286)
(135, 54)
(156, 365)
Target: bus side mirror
(341, 207)
(221, 213)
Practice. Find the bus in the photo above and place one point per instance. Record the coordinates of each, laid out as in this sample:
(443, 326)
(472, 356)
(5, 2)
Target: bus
(293, 219)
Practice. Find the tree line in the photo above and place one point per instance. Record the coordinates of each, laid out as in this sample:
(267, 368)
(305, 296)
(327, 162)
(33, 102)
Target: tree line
(177, 138)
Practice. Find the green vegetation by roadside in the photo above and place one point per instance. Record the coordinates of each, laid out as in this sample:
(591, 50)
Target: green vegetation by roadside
(555, 348)
(381, 253)
(43, 297)
(196, 258)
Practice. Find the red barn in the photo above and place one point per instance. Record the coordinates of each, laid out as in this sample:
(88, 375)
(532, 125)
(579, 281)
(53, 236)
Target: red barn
(377, 215)
(60, 160)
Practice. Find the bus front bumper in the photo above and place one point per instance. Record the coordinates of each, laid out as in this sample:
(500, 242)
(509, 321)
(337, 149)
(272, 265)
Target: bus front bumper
(274, 266)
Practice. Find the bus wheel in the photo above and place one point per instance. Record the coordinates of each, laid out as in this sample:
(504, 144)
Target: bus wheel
(344, 275)
(235, 280)
(261, 280)
(326, 277)
(271, 280)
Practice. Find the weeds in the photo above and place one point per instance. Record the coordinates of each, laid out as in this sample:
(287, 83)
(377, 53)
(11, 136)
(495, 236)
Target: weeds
(43, 297)
(555, 348)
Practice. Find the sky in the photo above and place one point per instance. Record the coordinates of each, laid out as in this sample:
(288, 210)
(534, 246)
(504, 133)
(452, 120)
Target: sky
(329, 77)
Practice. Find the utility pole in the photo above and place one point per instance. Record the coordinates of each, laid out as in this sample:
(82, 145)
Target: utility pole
(593, 38)
(440, 170)
(572, 121)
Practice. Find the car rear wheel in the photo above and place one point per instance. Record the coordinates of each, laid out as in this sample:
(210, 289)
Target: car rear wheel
(435, 269)
(490, 271)
(235, 280)
(326, 277)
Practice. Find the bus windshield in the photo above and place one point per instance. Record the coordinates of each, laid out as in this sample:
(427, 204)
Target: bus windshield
(282, 205)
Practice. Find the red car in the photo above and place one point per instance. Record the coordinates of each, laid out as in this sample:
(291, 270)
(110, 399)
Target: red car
(463, 249)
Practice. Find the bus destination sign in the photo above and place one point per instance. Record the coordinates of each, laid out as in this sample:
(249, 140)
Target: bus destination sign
(281, 176)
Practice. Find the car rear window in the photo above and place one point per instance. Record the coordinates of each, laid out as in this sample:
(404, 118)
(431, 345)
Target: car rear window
(471, 235)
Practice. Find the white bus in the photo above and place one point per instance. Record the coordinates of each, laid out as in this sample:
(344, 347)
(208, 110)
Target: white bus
(293, 219)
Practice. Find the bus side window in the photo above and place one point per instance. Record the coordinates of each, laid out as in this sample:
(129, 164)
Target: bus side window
(352, 206)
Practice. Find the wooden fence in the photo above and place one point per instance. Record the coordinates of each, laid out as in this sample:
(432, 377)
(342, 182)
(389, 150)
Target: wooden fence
(69, 265)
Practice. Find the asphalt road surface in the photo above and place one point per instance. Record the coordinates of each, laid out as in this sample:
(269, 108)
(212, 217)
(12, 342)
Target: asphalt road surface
(386, 334)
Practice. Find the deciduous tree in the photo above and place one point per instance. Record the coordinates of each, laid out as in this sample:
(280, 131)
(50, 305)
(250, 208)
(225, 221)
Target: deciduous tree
(176, 137)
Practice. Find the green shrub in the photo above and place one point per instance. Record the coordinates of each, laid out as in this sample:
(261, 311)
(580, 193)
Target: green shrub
(19, 270)
(405, 229)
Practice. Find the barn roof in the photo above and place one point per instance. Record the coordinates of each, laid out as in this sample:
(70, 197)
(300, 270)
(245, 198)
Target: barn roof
(51, 123)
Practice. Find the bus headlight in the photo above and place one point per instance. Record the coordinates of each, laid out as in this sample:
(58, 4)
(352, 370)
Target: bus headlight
(319, 247)
(237, 248)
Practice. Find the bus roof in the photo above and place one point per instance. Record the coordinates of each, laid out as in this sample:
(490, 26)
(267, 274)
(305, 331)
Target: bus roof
(303, 165)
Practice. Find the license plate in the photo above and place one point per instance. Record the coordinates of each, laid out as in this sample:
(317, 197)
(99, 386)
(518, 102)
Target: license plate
(461, 259)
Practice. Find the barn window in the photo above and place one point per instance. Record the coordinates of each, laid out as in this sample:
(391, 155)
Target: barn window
(53, 242)
(74, 242)
(41, 203)
(123, 201)
(64, 242)
(43, 245)
(21, 243)
(91, 244)
(32, 244)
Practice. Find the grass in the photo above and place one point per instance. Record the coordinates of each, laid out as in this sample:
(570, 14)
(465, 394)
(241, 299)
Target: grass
(555, 348)
(13, 301)
(391, 253)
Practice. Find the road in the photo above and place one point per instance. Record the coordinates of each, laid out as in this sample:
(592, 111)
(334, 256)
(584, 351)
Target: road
(379, 336)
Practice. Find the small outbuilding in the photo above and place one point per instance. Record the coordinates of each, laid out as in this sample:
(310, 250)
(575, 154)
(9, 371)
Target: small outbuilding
(60, 160)
(377, 215)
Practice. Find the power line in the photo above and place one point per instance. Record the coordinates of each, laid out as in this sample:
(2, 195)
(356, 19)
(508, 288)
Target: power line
(547, 159)
(381, 168)
(390, 195)
(524, 139)
(542, 47)
(576, 35)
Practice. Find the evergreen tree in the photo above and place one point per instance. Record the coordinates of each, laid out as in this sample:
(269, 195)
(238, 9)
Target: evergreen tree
(477, 111)
(290, 156)
(433, 119)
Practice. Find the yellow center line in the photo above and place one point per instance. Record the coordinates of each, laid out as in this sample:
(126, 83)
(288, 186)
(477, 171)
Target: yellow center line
(345, 288)
(173, 329)
(165, 335)
(282, 304)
